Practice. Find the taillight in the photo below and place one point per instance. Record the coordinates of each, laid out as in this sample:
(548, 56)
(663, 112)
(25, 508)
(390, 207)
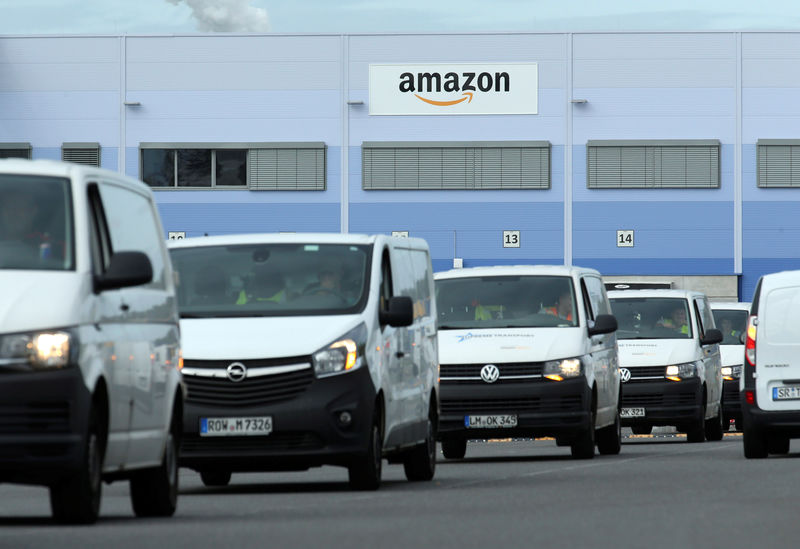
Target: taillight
(750, 397)
(750, 342)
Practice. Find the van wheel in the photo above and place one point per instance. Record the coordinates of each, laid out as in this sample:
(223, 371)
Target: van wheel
(76, 500)
(215, 478)
(420, 463)
(454, 448)
(365, 471)
(154, 492)
(609, 439)
(583, 446)
(714, 429)
(642, 429)
(696, 430)
(778, 445)
(755, 443)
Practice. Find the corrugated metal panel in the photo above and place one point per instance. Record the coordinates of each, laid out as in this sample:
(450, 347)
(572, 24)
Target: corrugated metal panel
(778, 163)
(287, 169)
(87, 154)
(630, 165)
(455, 166)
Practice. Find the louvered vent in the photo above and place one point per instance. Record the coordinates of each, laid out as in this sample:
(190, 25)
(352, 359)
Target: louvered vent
(87, 154)
(778, 163)
(287, 168)
(426, 166)
(15, 150)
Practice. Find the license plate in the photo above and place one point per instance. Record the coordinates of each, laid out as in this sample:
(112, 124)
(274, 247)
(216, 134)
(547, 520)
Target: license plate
(631, 412)
(786, 393)
(235, 426)
(489, 422)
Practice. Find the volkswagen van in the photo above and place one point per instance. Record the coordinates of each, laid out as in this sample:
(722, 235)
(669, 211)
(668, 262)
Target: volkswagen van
(731, 320)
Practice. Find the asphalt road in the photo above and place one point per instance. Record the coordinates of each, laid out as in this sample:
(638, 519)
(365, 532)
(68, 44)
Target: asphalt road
(659, 492)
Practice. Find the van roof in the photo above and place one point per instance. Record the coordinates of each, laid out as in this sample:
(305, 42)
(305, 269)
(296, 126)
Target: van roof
(629, 294)
(57, 168)
(782, 278)
(515, 270)
(730, 305)
(295, 238)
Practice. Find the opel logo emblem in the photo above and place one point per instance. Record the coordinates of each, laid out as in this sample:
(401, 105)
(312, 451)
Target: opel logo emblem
(236, 372)
(490, 373)
(624, 375)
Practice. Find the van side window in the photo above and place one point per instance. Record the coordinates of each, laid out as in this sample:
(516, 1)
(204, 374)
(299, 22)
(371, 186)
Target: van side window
(132, 226)
(100, 242)
(705, 317)
(597, 296)
(588, 306)
(386, 281)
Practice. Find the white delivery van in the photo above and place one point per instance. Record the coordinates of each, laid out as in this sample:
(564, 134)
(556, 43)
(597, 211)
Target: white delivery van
(527, 351)
(731, 320)
(669, 362)
(308, 349)
(89, 340)
(770, 383)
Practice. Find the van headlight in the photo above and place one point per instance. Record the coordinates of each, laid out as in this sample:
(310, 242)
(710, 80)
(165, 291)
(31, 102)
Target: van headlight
(343, 355)
(679, 372)
(730, 373)
(37, 350)
(559, 370)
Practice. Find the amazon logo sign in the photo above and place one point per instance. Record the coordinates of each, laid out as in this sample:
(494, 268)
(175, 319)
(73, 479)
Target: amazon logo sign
(457, 89)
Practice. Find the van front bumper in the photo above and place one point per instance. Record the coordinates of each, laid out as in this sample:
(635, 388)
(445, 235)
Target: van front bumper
(785, 422)
(43, 423)
(676, 403)
(543, 408)
(731, 405)
(306, 429)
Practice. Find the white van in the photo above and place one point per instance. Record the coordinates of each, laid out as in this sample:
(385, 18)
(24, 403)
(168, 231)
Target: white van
(669, 362)
(527, 351)
(89, 340)
(770, 383)
(731, 320)
(308, 349)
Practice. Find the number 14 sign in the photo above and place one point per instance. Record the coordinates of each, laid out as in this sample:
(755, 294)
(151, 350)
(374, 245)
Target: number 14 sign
(624, 239)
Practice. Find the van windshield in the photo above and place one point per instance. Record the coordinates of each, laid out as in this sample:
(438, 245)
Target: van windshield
(271, 279)
(652, 318)
(36, 223)
(505, 302)
(732, 323)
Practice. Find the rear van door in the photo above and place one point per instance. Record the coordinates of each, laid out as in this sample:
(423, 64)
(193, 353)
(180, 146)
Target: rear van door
(778, 349)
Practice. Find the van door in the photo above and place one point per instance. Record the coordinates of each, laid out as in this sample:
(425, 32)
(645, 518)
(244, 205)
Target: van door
(149, 315)
(602, 351)
(778, 346)
(392, 360)
(712, 364)
(111, 342)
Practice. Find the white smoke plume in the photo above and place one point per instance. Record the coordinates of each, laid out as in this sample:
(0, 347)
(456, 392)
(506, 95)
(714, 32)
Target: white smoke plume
(227, 15)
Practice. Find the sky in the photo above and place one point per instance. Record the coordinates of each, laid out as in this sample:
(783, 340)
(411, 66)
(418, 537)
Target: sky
(378, 16)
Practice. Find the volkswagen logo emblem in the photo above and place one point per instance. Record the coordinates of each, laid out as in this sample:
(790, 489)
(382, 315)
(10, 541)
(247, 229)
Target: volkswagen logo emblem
(624, 375)
(490, 373)
(236, 372)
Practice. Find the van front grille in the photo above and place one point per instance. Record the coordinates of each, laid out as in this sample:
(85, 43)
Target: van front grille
(44, 418)
(542, 405)
(679, 399)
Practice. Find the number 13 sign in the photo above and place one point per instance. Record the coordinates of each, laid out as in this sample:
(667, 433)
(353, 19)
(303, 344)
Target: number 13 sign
(510, 239)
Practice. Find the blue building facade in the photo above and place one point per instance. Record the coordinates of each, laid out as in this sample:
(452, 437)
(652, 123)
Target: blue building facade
(735, 88)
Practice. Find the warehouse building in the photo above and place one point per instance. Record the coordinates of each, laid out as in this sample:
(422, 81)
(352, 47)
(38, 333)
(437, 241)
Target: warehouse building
(656, 157)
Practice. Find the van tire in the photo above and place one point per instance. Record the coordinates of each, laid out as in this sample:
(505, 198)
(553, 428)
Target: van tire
(420, 463)
(582, 447)
(714, 428)
(154, 492)
(364, 471)
(755, 443)
(215, 478)
(76, 500)
(609, 439)
(454, 448)
(642, 429)
(778, 445)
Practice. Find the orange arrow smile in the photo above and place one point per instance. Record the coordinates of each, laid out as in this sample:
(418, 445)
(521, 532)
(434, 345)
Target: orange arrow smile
(467, 97)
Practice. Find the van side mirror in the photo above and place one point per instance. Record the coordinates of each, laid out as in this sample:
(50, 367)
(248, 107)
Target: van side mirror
(399, 312)
(603, 324)
(712, 336)
(124, 270)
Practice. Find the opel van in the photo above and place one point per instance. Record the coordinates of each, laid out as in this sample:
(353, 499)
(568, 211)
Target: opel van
(731, 320)
(527, 351)
(89, 340)
(669, 362)
(303, 350)
(770, 382)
